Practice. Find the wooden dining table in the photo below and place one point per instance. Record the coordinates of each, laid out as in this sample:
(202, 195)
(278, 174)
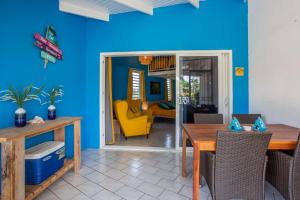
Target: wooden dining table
(203, 138)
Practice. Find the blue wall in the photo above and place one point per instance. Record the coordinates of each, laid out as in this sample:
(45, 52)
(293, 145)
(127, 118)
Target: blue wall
(120, 66)
(217, 25)
(21, 65)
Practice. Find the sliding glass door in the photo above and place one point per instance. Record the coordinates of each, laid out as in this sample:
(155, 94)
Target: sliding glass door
(200, 88)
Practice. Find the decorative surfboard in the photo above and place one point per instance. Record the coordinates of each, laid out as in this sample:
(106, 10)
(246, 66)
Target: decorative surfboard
(48, 50)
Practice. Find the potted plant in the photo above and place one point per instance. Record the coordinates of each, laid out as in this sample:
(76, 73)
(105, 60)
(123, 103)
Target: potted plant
(52, 95)
(29, 93)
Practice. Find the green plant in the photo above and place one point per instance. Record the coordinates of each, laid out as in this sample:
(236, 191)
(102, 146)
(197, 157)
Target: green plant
(20, 97)
(52, 95)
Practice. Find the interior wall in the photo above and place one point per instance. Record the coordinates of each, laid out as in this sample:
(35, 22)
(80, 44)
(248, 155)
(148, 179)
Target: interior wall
(21, 64)
(274, 30)
(216, 25)
(120, 66)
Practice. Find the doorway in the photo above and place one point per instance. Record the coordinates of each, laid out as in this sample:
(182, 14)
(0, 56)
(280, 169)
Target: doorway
(208, 87)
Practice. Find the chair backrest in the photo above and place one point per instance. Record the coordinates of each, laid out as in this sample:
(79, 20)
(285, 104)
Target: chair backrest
(246, 118)
(121, 108)
(296, 171)
(240, 165)
(200, 118)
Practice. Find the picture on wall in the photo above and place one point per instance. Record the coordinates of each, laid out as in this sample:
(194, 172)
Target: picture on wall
(154, 87)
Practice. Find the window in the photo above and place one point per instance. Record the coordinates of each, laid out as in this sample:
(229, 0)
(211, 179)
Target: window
(136, 90)
(169, 89)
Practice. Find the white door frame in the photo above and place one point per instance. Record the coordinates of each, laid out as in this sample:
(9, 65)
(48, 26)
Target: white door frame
(225, 70)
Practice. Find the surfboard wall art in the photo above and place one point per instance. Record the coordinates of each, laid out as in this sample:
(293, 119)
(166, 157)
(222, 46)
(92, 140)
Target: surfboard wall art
(48, 46)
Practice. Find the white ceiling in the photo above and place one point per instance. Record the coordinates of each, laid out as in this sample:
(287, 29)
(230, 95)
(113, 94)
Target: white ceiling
(102, 9)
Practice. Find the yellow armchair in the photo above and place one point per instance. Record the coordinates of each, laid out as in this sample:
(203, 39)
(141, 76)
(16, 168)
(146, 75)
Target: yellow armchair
(133, 126)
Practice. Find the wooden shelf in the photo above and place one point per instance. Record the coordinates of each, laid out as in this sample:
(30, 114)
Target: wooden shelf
(13, 156)
(32, 191)
(36, 129)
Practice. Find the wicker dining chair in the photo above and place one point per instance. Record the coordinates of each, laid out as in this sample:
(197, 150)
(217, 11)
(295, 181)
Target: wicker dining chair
(237, 169)
(283, 172)
(203, 118)
(246, 118)
(200, 118)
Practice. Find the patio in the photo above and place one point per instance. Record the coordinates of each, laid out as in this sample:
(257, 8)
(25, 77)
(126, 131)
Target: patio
(117, 175)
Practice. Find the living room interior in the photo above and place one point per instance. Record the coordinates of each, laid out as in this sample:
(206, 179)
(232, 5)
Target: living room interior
(147, 85)
(73, 71)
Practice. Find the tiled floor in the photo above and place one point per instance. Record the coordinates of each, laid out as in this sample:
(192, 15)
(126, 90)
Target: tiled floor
(115, 175)
(162, 134)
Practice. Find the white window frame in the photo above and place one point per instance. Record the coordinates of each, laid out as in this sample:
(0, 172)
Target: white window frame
(169, 89)
(137, 95)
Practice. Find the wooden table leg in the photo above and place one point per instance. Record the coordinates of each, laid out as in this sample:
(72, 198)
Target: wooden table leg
(77, 146)
(183, 153)
(59, 134)
(13, 170)
(196, 172)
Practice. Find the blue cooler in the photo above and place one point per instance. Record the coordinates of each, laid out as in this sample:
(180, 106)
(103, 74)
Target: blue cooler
(43, 160)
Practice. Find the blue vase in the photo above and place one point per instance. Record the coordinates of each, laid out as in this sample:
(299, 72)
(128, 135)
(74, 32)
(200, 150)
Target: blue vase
(51, 112)
(235, 125)
(259, 125)
(20, 117)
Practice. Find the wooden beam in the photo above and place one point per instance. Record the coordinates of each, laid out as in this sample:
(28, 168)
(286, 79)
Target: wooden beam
(195, 3)
(59, 134)
(83, 10)
(138, 5)
(13, 170)
(77, 146)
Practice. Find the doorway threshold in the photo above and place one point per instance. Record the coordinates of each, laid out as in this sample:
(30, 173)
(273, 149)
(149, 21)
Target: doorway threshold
(138, 148)
(145, 149)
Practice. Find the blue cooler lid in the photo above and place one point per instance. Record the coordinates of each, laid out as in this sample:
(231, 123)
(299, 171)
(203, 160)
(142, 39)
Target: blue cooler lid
(43, 149)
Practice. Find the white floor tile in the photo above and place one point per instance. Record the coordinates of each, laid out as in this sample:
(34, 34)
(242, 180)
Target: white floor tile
(120, 175)
(111, 184)
(169, 195)
(115, 174)
(167, 174)
(132, 171)
(170, 185)
(89, 188)
(47, 195)
(118, 166)
(150, 189)
(150, 178)
(129, 193)
(85, 170)
(131, 181)
(75, 180)
(81, 197)
(147, 197)
(96, 177)
(101, 167)
(65, 192)
(148, 169)
(89, 163)
(106, 195)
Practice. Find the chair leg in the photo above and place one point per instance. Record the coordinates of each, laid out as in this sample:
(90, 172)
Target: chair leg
(147, 136)
(202, 182)
(126, 138)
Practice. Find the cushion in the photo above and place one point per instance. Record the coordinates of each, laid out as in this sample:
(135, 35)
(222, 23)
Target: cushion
(134, 109)
(164, 106)
(171, 105)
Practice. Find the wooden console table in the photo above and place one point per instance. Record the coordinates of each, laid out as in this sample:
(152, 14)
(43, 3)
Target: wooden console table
(13, 151)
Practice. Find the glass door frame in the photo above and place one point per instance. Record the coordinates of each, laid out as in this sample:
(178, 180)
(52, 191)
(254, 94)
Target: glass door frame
(225, 100)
